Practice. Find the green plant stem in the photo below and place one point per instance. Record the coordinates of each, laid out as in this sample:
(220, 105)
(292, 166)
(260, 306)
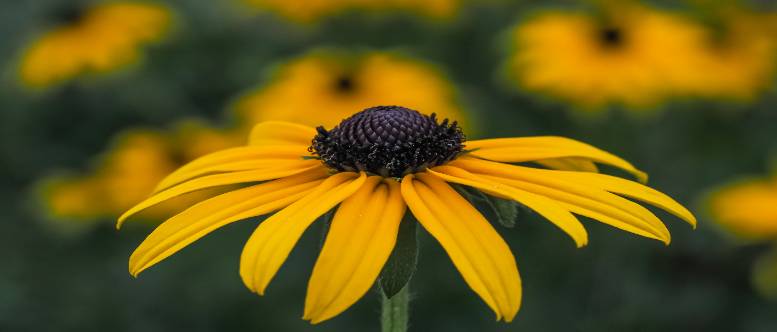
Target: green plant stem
(394, 311)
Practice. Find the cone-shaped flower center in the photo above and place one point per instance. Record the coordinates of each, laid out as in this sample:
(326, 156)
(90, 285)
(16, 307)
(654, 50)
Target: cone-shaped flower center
(388, 141)
(611, 36)
(345, 84)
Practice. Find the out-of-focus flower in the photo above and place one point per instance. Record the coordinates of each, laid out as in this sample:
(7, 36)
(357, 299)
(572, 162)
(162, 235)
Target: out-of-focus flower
(638, 56)
(128, 172)
(95, 39)
(311, 10)
(630, 55)
(747, 208)
(323, 88)
(370, 169)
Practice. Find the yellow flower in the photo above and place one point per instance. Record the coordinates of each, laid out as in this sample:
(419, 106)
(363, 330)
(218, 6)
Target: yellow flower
(371, 168)
(322, 88)
(311, 10)
(98, 39)
(633, 56)
(129, 172)
(746, 208)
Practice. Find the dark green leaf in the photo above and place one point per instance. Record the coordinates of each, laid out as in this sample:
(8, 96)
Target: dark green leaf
(402, 263)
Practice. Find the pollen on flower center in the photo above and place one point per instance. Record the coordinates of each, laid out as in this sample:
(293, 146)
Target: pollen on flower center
(390, 141)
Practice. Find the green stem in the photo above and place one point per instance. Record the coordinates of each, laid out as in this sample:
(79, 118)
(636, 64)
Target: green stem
(394, 311)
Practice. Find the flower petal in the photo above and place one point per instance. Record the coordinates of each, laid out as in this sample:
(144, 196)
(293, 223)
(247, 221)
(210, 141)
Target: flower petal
(549, 209)
(630, 189)
(580, 199)
(476, 249)
(209, 215)
(524, 149)
(273, 240)
(360, 240)
(215, 181)
(570, 164)
(281, 133)
(236, 159)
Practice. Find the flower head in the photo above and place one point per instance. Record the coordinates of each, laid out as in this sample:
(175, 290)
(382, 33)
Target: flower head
(128, 171)
(391, 141)
(325, 86)
(746, 208)
(95, 39)
(373, 167)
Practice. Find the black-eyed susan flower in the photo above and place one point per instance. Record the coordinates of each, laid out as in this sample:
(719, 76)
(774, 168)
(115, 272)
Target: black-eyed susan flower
(373, 168)
(336, 83)
(97, 39)
(128, 171)
(746, 207)
(312, 10)
(629, 55)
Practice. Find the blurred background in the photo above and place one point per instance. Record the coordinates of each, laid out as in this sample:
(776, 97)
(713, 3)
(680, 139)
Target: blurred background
(99, 100)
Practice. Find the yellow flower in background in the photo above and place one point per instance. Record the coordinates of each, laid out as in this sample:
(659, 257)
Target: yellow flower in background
(746, 208)
(371, 168)
(311, 10)
(632, 55)
(96, 39)
(128, 172)
(323, 88)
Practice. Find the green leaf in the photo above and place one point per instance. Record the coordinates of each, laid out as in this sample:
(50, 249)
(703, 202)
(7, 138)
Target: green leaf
(402, 263)
(504, 211)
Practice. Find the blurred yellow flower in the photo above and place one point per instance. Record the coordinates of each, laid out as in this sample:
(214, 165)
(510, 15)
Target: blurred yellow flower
(96, 39)
(323, 88)
(747, 208)
(311, 10)
(129, 171)
(632, 55)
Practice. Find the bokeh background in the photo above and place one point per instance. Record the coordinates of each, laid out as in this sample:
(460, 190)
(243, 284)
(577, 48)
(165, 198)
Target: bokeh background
(96, 106)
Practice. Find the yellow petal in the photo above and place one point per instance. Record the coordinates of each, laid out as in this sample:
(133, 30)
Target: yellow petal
(281, 133)
(215, 181)
(632, 190)
(209, 215)
(476, 249)
(570, 164)
(580, 199)
(234, 159)
(360, 240)
(549, 209)
(525, 149)
(273, 240)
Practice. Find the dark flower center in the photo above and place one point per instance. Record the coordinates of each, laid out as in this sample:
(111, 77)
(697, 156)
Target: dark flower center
(611, 36)
(345, 84)
(390, 141)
